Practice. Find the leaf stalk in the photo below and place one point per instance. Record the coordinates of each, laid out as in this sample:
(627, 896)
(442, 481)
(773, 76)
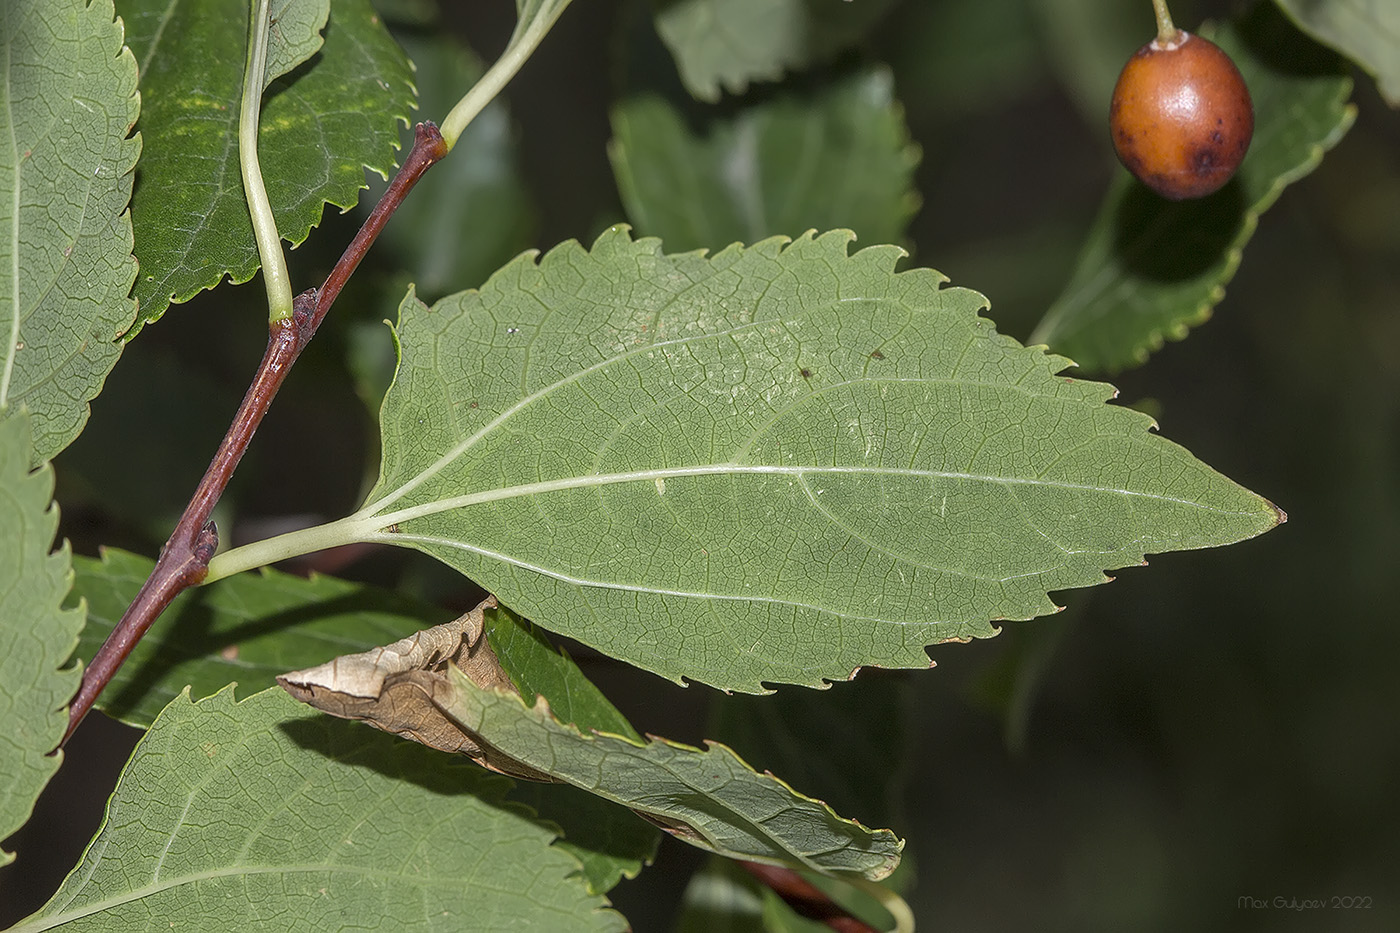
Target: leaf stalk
(274, 263)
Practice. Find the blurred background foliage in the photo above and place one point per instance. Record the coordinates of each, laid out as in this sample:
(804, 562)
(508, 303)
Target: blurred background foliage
(1219, 726)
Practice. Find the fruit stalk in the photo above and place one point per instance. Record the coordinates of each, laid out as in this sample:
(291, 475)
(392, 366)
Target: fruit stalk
(1166, 31)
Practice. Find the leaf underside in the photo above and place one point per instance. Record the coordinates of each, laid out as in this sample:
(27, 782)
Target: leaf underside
(321, 127)
(67, 105)
(778, 464)
(36, 636)
(1366, 33)
(707, 797)
(1151, 269)
(259, 815)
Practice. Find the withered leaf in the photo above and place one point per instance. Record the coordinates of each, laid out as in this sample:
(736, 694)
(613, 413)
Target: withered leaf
(403, 688)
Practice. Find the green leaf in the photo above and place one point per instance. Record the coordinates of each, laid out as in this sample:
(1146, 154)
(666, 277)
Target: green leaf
(67, 104)
(247, 629)
(708, 798)
(839, 156)
(780, 463)
(726, 44)
(537, 668)
(471, 214)
(256, 816)
(294, 35)
(1151, 268)
(36, 636)
(610, 842)
(1368, 33)
(321, 126)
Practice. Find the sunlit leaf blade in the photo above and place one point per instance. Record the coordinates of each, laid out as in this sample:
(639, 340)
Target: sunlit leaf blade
(724, 45)
(36, 636)
(294, 35)
(781, 463)
(246, 629)
(1367, 32)
(1151, 268)
(67, 104)
(710, 798)
(321, 126)
(259, 815)
(838, 156)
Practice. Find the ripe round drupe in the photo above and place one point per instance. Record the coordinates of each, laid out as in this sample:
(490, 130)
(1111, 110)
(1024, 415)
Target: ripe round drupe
(1181, 116)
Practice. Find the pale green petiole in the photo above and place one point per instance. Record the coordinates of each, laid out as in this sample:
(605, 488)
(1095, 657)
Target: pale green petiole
(274, 265)
(534, 22)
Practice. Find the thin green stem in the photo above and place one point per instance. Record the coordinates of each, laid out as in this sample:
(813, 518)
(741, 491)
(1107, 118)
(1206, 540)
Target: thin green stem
(1166, 32)
(292, 544)
(530, 29)
(274, 265)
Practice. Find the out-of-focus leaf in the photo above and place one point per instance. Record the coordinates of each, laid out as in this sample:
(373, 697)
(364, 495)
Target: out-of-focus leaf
(1087, 43)
(67, 105)
(247, 629)
(255, 816)
(838, 156)
(1152, 268)
(322, 125)
(36, 635)
(709, 798)
(1366, 31)
(777, 464)
(471, 213)
(724, 45)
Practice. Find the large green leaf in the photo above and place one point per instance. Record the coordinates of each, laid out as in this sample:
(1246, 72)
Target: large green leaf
(259, 816)
(781, 463)
(67, 104)
(36, 636)
(838, 156)
(247, 629)
(1151, 268)
(708, 797)
(321, 126)
(726, 44)
(1367, 32)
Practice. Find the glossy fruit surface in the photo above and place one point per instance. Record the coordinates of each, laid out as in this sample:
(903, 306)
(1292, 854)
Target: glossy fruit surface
(1181, 116)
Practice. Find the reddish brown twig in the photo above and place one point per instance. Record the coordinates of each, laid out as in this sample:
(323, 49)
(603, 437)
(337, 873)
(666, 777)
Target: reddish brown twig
(805, 898)
(184, 560)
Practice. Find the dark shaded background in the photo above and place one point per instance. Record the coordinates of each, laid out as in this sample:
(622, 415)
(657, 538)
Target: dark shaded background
(1221, 725)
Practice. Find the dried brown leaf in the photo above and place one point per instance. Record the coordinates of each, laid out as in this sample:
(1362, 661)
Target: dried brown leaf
(403, 688)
